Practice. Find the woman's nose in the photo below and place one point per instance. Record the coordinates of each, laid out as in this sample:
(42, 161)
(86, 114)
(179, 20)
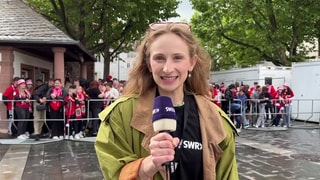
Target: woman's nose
(168, 67)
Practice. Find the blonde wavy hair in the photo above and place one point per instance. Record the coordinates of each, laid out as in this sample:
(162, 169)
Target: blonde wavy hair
(140, 78)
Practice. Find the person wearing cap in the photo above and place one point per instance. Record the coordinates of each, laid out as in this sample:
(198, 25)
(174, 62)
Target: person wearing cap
(7, 98)
(30, 89)
(287, 97)
(22, 108)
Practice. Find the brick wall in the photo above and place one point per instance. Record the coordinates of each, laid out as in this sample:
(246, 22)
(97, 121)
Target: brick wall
(6, 74)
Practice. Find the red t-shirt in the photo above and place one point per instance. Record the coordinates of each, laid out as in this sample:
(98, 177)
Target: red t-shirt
(8, 94)
(21, 100)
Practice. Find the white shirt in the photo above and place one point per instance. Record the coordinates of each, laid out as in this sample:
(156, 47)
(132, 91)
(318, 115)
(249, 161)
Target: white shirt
(113, 93)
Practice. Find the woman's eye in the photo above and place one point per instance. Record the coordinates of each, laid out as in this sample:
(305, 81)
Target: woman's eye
(178, 57)
(159, 58)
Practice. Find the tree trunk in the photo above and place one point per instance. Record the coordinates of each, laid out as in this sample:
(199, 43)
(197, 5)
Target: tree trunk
(106, 69)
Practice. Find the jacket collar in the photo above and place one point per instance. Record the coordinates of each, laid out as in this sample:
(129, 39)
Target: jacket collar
(211, 128)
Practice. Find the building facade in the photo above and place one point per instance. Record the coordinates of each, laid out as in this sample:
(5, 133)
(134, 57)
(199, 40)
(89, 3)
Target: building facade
(32, 47)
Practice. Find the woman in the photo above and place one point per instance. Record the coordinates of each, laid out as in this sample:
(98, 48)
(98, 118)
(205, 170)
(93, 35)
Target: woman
(55, 96)
(22, 108)
(96, 95)
(169, 63)
(31, 91)
(287, 96)
(264, 99)
(279, 103)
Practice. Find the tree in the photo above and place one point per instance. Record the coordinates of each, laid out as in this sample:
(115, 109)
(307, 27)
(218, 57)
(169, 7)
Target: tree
(244, 32)
(106, 27)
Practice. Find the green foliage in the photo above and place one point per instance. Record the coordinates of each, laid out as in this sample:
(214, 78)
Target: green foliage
(243, 32)
(106, 27)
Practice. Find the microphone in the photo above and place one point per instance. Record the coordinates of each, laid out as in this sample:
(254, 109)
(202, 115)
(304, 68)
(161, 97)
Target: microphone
(164, 118)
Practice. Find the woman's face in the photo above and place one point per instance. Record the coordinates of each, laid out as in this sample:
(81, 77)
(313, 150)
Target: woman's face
(57, 84)
(102, 88)
(170, 63)
(22, 86)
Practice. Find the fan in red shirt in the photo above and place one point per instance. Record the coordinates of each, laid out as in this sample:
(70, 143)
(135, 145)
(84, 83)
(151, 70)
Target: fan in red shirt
(287, 96)
(216, 95)
(252, 88)
(273, 93)
(22, 108)
(7, 96)
(70, 109)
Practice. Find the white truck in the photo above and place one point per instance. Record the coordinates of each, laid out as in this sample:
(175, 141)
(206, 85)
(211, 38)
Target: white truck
(261, 73)
(306, 87)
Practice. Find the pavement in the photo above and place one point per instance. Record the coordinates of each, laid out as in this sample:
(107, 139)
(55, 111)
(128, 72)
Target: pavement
(262, 154)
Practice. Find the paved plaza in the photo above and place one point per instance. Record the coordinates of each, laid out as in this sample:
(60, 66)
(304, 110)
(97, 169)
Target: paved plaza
(262, 154)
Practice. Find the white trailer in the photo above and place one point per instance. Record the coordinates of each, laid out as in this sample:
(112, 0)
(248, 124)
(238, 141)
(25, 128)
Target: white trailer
(260, 74)
(306, 87)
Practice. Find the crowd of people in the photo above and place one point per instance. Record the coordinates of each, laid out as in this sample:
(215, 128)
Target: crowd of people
(63, 109)
(254, 105)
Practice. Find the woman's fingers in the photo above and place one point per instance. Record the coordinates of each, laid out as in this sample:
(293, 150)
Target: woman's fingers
(162, 148)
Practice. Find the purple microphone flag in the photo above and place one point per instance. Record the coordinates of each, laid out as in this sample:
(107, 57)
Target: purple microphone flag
(163, 109)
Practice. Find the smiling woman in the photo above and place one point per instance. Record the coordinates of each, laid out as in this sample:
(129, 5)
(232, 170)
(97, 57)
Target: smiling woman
(169, 63)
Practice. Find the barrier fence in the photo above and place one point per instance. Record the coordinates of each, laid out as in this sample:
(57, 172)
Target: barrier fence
(306, 110)
(88, 117)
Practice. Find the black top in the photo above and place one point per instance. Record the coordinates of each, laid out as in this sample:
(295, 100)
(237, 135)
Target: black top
(188, 156)
(41, 91)
(95, 101)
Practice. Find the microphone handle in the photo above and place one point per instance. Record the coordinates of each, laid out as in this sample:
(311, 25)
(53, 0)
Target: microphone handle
(167, 164)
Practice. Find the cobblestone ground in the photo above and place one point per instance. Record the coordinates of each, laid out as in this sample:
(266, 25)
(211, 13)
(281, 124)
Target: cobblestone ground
(277, 155)
(262, 154)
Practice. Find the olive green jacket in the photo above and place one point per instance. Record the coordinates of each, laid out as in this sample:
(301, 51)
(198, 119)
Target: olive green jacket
(126, 130)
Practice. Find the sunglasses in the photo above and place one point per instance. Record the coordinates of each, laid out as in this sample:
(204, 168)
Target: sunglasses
(160, 25)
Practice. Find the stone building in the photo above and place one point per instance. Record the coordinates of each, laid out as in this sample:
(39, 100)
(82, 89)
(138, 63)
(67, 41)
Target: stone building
(32, 47)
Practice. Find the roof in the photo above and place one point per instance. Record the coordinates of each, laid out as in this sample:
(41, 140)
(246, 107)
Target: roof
(22, 27)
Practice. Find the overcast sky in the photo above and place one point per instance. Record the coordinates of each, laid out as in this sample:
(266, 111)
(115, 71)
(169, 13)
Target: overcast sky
(185, 11)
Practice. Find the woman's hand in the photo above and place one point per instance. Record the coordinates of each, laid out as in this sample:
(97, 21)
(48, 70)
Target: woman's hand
(53, 96)
(101, 95)
(161, 148)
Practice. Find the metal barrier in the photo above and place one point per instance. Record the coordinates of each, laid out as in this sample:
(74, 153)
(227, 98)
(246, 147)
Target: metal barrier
(88, 117)
(307, 110)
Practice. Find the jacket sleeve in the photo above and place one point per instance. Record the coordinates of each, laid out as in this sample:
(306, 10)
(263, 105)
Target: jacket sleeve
(6, 95)
(229, 96)
(114, 149)
(227, 166)
(48, 94)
